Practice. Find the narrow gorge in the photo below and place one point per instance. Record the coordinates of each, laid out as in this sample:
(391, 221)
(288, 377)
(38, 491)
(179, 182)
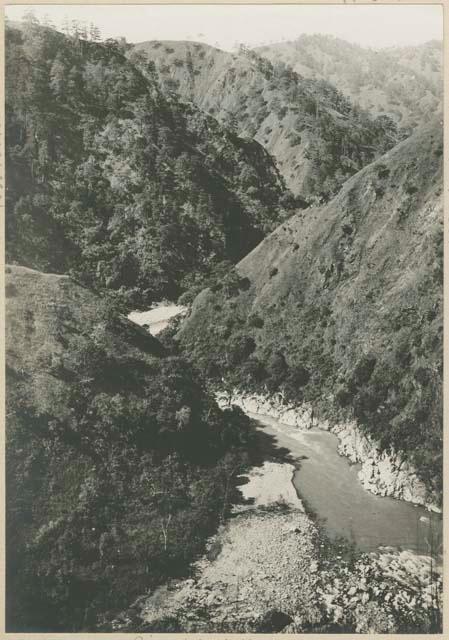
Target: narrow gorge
(224, 320)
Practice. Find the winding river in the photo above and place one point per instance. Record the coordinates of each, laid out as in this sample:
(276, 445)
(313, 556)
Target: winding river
(328, 485)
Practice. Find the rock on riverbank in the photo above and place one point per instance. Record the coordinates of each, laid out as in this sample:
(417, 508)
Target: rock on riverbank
(382, 473)
(384, 592)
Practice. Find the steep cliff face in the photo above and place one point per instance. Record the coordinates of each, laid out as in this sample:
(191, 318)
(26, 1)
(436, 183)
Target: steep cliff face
(405, 83)
(316, 135)
(342, 307)
(384, 473)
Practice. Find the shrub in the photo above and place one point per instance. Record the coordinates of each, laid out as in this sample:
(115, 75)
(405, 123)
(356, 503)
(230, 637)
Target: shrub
(277, 367)
(411, 188)
(299, 376)
(240, 348)
(10, 290)
(255, 321)
(363, 370)
(273, 621)
(343, 396)
(253, 370)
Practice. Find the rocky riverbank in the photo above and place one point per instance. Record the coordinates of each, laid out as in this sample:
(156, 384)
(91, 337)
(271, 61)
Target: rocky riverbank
(265, 565)
(258, 571)
(382, 473)
(268, 569)
(383, 592)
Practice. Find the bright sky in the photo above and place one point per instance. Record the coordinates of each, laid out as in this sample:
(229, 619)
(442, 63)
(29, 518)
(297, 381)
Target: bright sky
(226, 25)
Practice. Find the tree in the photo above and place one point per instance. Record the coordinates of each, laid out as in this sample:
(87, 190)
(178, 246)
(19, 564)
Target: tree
(58, 74)
(94, 32)
(277, 367)
(239, 348)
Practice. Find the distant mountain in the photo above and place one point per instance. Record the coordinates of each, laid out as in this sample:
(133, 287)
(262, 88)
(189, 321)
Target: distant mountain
(342, 306)
(111, 444)
(404, 83)
(317, 136)
(129, 189)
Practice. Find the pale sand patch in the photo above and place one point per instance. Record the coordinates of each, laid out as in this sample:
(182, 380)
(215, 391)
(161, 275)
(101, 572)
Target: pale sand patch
(271, 483)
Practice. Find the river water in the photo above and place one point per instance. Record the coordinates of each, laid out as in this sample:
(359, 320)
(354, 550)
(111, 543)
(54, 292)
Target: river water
(328, 485)
(156, 319)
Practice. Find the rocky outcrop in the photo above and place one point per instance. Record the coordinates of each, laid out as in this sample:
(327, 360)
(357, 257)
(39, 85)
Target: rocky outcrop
(272, 406)
(381, 589)
(383, 473)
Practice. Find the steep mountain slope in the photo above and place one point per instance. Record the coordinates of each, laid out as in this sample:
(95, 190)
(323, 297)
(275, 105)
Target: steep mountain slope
(404, 83)
(133, 191)
(317, 136)
(115, 458)
(342, 307)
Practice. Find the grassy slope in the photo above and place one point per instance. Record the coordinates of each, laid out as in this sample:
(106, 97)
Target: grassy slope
(43, 311)
(350, 298)
(237, 88)
(405, 83)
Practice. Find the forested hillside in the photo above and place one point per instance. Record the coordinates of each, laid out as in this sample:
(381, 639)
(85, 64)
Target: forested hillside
(404, 83)
(118, 464)
(317, 136)
(304, 235)
(112, 180)
(342, 307)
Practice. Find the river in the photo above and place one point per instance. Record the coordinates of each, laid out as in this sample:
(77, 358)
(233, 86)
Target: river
(328, 485)
(157, 319)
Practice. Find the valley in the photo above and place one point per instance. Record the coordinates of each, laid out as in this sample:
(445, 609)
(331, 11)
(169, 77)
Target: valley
(224, 331)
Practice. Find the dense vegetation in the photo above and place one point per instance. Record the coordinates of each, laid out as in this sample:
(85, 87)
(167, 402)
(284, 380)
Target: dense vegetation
(118, 464)
(131, 191)
(318, 137)
(342, 307)
(404, 83)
